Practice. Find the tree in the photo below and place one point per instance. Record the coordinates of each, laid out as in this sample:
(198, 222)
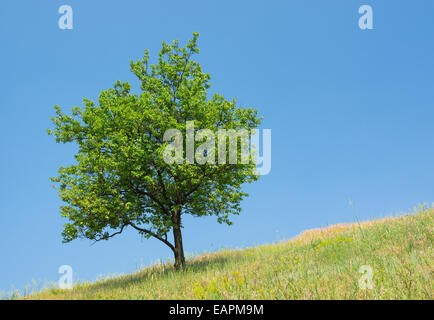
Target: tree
(121, 178)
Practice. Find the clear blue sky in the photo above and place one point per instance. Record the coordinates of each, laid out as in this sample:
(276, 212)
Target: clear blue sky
(351, 114)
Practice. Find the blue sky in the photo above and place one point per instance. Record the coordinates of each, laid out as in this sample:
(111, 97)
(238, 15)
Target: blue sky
(351, 114)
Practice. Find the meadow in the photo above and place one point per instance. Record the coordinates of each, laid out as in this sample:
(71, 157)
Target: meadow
(389, 258)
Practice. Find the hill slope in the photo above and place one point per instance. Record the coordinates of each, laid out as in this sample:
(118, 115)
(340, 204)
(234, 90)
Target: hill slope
(323, 263)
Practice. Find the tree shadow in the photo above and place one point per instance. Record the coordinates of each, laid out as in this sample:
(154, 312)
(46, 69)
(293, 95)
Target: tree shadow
(160, 271)
(214, 260)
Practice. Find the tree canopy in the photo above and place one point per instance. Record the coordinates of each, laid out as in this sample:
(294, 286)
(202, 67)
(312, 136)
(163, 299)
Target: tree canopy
(121, 177)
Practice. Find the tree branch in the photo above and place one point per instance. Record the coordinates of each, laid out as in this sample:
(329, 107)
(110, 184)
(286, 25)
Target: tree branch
(153, 235)
(110, 236)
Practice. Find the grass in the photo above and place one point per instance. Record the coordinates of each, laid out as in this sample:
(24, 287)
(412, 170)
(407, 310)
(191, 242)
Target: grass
(322, 263)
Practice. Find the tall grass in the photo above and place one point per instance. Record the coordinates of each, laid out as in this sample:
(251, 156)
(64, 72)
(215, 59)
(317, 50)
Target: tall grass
(318, 264)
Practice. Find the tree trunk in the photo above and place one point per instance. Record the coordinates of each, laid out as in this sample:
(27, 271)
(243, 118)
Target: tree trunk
(179, 249)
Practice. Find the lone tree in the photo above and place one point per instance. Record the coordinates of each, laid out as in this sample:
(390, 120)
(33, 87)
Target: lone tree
(120, 178)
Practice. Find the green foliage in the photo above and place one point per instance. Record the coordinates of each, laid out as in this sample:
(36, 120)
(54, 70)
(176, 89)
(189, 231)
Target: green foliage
(121, 179)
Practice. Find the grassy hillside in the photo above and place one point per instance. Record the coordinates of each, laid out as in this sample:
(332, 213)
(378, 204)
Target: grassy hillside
(318, 264)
